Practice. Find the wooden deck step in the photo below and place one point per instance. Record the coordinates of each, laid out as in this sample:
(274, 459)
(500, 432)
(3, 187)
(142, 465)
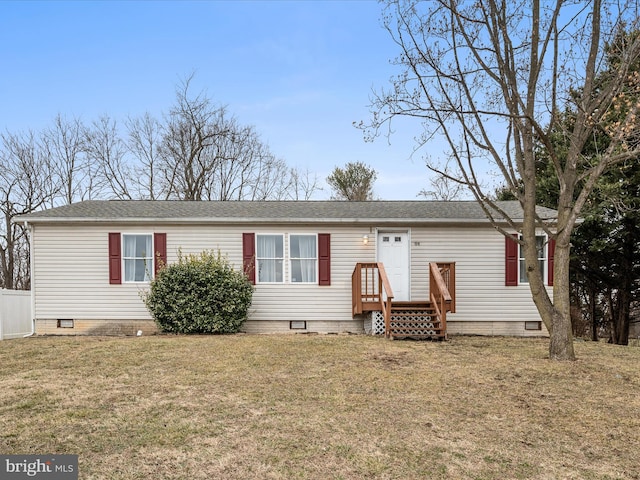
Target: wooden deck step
(410, 313)
(416, 304)
(415, 320)
(415, 323)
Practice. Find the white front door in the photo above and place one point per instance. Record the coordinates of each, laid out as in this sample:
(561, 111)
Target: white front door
(393, 252)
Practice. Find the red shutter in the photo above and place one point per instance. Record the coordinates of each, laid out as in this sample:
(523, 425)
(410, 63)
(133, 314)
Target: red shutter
(160, 249)
(324, 259)
(115, 260)
(511, 260)
(552, 251)
(249, 256)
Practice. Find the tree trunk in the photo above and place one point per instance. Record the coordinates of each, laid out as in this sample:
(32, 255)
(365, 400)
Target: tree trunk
(561, 341)
(8, 260)
(621, 319)
(555, 314)
(594, 315)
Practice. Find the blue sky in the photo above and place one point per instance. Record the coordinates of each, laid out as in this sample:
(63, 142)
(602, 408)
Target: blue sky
(301, 72)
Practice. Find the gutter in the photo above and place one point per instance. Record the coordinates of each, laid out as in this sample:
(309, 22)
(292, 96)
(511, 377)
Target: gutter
(29, 231)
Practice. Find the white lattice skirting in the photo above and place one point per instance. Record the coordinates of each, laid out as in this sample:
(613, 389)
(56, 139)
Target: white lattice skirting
(377, 323)
(420, 325)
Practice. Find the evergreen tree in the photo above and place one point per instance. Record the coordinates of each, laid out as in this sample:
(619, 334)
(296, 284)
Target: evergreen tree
(354, 182)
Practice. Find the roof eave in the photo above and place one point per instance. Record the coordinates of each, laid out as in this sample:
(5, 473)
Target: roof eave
(250, 220)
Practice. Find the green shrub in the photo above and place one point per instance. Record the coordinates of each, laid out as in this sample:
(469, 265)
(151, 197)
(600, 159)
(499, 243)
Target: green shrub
(199, 294)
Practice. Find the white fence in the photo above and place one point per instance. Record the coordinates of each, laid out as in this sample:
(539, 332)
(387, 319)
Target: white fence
(15, 313)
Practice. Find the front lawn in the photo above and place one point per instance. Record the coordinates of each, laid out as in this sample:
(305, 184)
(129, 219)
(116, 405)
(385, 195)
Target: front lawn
(322, 407)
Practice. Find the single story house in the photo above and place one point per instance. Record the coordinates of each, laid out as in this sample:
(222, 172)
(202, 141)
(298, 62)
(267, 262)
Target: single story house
(317, 266)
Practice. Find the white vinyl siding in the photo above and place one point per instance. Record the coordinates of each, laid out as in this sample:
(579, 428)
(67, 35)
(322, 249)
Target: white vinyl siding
(325, 308)
(71, 275)
(481, 295)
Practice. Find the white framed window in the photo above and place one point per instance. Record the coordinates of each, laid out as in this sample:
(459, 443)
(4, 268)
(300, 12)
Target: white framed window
(270, 258)
(303, 258)
(541, 243)
(137, 257)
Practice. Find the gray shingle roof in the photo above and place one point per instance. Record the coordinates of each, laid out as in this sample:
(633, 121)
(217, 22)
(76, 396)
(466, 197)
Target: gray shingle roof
(273, 212)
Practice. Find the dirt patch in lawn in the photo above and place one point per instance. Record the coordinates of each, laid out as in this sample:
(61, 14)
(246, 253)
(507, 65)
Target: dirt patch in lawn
(322, 407)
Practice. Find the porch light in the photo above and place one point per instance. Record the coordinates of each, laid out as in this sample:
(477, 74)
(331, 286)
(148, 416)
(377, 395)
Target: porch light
(365, 239)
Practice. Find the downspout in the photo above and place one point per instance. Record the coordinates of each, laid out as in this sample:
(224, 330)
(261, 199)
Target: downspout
(29, 231)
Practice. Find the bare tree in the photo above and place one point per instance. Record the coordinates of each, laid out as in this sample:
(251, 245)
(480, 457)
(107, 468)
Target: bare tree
(208, 155)
(492, 77)
(189, 152)
(247, 169)
(271, 179)
(25, 186)
(145, 137)
(64, 145)
(106, 152)
(302, 185)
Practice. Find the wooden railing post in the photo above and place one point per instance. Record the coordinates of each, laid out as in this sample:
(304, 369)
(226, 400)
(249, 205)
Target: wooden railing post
(448, 272)
(439, 291)
(371, 289)
(356, 290)
(386, 297)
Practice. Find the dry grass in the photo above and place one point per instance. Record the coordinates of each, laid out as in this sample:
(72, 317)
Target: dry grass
(322, 407)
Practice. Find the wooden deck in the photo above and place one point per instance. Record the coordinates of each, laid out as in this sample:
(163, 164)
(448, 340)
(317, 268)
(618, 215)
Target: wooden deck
(423, 319)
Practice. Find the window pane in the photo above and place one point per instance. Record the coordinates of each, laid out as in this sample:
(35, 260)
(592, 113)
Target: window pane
(303, 246)
(129, 242)
(294, 246)
(523, 272)
(137, 270)
(303, 254)
(142, 270)
(303, 271)
(270, 246)
(270, 271)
